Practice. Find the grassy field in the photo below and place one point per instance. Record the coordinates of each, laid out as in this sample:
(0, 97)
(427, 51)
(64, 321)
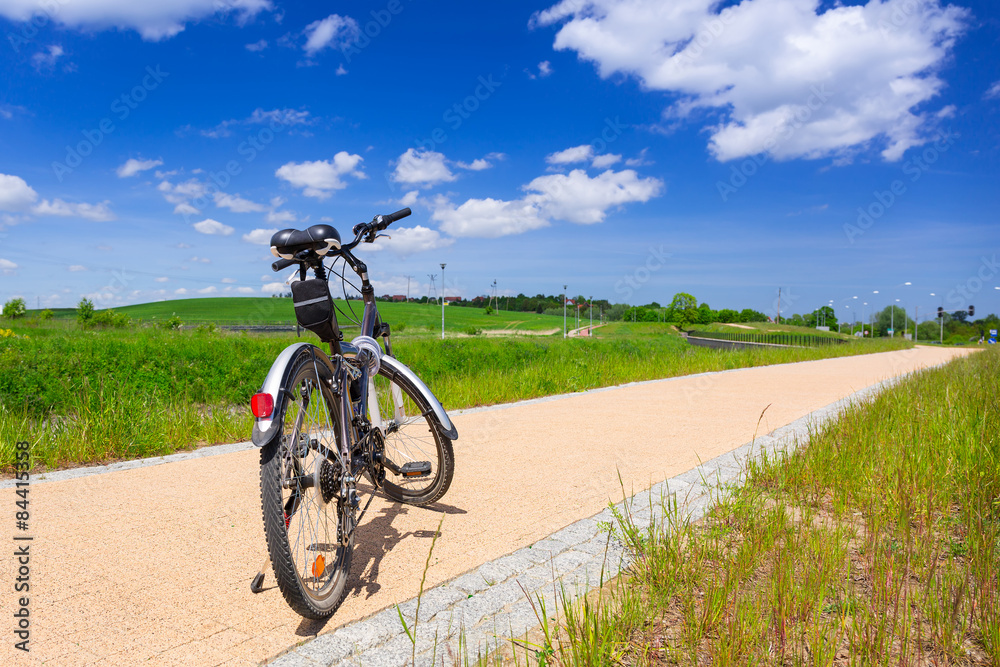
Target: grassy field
(258, 310)
(83, 396)
(877, 543)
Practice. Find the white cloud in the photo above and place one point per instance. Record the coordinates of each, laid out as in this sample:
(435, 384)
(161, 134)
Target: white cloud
(639, 160)
(573, 197)
(99, 212)
(153, 20)
(274, 288)
(424, 168)
(475, 165)
(133, 167)
(182, 193)
(15, 194)
(46, 59)
(246, 290)
(260, 236)
(785, 79)
(257, 46)
(237, 204)
(341, 70)
(280, 217)
(211, 289)
(489, 218)
(603, 161)
(571, 155)
(213, 227)
(182, 291)
(7, 266)
(228, 281)
(544, 68)
(320, 178)
(202, 260)
(334, 31)
(162, 279)
(994, 91)
(276, 118)
(410, 198)
(409, 240)
(576, 197)
(77, 267)
(186, 209)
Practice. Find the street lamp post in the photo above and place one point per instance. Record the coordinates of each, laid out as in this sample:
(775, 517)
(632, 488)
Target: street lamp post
(591, 331)
(442, 300)
(564, 310)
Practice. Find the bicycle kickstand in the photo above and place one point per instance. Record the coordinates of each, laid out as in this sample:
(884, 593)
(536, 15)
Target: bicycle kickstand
(257, 585)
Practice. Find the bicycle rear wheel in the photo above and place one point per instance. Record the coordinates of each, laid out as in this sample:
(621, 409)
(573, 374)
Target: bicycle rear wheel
(411, 437)
(304, 520)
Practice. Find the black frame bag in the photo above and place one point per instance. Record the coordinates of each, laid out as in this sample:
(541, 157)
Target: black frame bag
(314, 309)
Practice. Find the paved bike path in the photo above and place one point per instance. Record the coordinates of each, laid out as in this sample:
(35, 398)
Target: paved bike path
(152, 565)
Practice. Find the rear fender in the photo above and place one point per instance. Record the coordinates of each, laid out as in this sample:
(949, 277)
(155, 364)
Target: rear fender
(276, 383)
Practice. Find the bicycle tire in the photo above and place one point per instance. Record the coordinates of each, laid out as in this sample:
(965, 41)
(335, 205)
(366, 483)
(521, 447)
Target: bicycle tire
(300, 531)
(412, 433)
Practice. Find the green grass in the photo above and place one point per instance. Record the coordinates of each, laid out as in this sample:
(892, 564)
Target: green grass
(84, 396)
(876, 543)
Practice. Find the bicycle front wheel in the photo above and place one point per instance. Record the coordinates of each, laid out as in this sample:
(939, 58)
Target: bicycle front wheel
(425, 459)
(304, 520)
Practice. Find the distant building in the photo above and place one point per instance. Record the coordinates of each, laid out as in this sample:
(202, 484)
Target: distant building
(452, 299)
(399, 297)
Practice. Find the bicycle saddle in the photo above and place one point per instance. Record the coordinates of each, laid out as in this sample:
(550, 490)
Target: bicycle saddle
(319, 238)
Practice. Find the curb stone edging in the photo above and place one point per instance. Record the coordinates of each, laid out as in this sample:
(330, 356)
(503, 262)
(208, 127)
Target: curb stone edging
(576, 559)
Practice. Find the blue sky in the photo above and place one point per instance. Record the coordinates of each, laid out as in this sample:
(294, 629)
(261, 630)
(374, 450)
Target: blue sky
(630, 149)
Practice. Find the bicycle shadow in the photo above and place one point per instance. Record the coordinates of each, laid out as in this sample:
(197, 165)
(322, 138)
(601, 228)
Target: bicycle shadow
(373, 539)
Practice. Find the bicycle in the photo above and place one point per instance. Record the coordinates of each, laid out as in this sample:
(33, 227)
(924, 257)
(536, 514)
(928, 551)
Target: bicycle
(323, 421)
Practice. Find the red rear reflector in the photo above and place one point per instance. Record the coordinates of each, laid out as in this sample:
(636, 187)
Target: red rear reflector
(261, 405)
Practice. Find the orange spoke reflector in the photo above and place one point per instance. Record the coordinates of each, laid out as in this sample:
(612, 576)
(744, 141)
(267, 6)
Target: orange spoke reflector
(319, 566)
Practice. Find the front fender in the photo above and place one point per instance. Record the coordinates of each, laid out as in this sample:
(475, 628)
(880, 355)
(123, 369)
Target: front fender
(395, 369)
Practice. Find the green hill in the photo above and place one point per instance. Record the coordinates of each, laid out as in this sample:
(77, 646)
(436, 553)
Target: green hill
(261, 310)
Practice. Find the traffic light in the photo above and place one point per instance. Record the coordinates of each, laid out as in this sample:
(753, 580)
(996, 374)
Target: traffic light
(972, 311)
(940, 311)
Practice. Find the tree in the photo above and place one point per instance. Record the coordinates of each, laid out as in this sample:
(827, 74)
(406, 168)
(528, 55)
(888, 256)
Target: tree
(889, 317)
(683, 309)
(14, 309)
(85, 311)
(751, 315)
(706, 315)
(727, 315)
(821, 317)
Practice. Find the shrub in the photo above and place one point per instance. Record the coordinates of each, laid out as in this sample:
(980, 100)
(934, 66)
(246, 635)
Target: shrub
(172, 322)
(110, 318)
(473, 331)
(45, 315)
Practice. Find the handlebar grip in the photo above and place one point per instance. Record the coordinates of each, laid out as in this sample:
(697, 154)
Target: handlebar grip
(398, 215)
(282, 264)
(393, 217)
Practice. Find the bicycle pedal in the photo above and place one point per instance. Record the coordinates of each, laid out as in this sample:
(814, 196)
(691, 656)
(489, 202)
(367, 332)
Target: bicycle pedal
(415, 469)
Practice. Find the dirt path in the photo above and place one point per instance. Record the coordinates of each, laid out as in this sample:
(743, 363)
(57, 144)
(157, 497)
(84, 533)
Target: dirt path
(154, 563)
